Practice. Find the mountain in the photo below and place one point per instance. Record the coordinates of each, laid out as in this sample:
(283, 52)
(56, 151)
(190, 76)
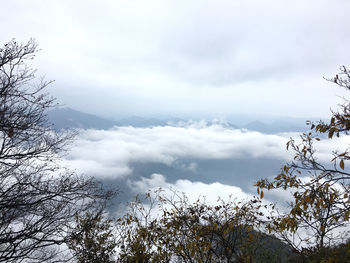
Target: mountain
(67, 118)
(140, 122)
(223, 123)
(277, 126)
(263, 248)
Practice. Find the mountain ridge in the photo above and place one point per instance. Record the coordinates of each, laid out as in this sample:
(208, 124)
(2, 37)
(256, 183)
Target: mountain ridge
(67, 118)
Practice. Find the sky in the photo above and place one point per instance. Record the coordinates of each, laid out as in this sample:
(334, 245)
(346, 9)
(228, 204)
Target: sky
(187, 58)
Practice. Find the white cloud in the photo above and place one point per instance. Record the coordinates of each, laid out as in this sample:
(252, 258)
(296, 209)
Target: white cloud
(212, 194)
(112, 153)
(193, 190)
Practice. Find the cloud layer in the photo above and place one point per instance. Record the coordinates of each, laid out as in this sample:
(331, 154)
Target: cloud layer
(193, 190)
(111, 153)
(196, 158)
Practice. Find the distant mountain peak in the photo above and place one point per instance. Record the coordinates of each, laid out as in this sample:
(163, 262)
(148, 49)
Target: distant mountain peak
(67, 118)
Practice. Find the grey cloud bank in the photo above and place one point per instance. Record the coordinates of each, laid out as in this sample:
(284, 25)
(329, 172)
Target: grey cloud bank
(178, 57)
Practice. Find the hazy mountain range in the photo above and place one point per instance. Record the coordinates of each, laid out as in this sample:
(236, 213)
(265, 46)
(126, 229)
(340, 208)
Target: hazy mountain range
(67, 118)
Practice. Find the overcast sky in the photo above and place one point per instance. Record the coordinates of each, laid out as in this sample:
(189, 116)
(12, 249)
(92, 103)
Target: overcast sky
(202, 57)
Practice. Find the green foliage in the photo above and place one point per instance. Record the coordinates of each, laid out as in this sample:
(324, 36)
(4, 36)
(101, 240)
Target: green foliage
(92, 241)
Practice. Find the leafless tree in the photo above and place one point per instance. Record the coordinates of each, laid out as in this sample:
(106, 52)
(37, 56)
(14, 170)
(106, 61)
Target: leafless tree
(38, 198)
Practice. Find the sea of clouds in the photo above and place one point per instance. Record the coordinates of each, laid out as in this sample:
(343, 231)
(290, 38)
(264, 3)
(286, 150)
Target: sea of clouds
(197, 159)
